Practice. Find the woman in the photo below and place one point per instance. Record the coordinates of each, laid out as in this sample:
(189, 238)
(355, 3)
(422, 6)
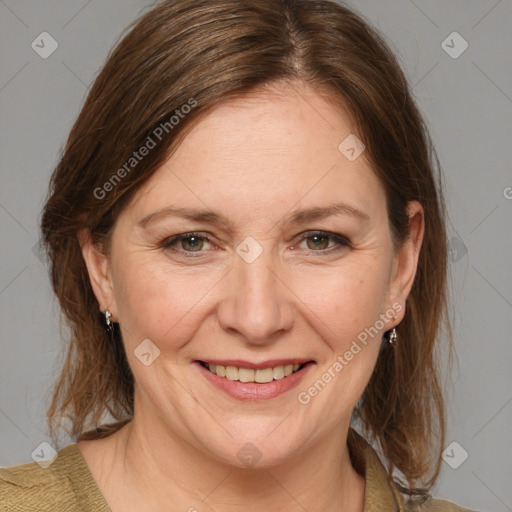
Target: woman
(247, 239)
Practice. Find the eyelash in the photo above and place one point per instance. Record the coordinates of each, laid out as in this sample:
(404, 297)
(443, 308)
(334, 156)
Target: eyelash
(170, 243)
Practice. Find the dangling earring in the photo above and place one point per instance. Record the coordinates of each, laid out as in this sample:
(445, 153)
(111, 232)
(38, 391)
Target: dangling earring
(109, 324)
(392, 336)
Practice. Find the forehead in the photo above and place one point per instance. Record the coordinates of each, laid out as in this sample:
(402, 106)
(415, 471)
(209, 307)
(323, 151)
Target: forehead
(286, 123)
(272, 149)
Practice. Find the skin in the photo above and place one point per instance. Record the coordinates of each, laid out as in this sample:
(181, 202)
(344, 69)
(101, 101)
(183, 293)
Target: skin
(255, 161)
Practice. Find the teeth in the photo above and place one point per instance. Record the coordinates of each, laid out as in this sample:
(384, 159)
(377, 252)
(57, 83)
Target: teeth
(231, 373)
(263, 376)
(278, 372)
(250, 375)
(245, 375)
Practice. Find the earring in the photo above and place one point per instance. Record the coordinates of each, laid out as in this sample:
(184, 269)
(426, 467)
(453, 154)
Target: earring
(392, 336)
(109, 324)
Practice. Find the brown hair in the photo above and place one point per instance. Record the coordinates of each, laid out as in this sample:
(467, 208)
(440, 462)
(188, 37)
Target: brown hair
(203, 52)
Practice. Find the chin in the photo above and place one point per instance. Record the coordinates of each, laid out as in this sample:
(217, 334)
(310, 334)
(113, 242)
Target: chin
(257, 447)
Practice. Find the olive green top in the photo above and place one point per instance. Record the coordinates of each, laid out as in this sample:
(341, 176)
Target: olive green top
(67, 485)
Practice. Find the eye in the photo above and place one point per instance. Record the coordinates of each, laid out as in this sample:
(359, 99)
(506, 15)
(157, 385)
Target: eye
(190, 242)
(320, 241)
(193, 242)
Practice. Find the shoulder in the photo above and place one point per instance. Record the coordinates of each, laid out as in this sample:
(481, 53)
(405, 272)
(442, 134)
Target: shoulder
(382, 493)
(28, 487)
(61, 485)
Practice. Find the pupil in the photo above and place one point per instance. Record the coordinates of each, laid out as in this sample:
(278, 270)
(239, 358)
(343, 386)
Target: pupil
(317, 238)
(193, 244)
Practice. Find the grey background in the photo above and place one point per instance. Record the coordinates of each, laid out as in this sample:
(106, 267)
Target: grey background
(467, 103)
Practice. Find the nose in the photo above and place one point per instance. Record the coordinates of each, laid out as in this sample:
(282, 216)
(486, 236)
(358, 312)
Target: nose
(258, 305)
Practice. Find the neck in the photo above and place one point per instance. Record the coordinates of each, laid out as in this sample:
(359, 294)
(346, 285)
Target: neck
(161, 467)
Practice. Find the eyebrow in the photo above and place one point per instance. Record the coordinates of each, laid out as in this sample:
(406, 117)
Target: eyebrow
(212, 217)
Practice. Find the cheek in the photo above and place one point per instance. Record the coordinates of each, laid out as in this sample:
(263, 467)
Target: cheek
(346, 299)
(345, 311)
(158, 302)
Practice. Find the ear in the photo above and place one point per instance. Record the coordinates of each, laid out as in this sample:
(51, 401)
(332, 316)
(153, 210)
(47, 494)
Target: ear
(406, 260)
(98, 267)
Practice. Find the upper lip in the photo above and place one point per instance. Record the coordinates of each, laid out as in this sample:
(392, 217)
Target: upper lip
(270, 363)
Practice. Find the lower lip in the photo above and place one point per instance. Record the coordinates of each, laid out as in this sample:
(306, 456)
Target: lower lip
(252, 391)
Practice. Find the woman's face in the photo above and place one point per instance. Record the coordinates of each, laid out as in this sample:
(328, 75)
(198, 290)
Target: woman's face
(256, 286)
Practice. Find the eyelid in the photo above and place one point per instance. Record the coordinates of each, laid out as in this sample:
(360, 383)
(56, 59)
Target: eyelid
(341, 241)
(337, 237)
(168, 242)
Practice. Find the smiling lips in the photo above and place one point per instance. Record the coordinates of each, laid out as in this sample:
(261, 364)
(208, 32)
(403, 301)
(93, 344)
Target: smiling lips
(254, 382)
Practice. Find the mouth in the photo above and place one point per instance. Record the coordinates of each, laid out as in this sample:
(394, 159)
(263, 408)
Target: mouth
(254, 382)
(246, 374)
